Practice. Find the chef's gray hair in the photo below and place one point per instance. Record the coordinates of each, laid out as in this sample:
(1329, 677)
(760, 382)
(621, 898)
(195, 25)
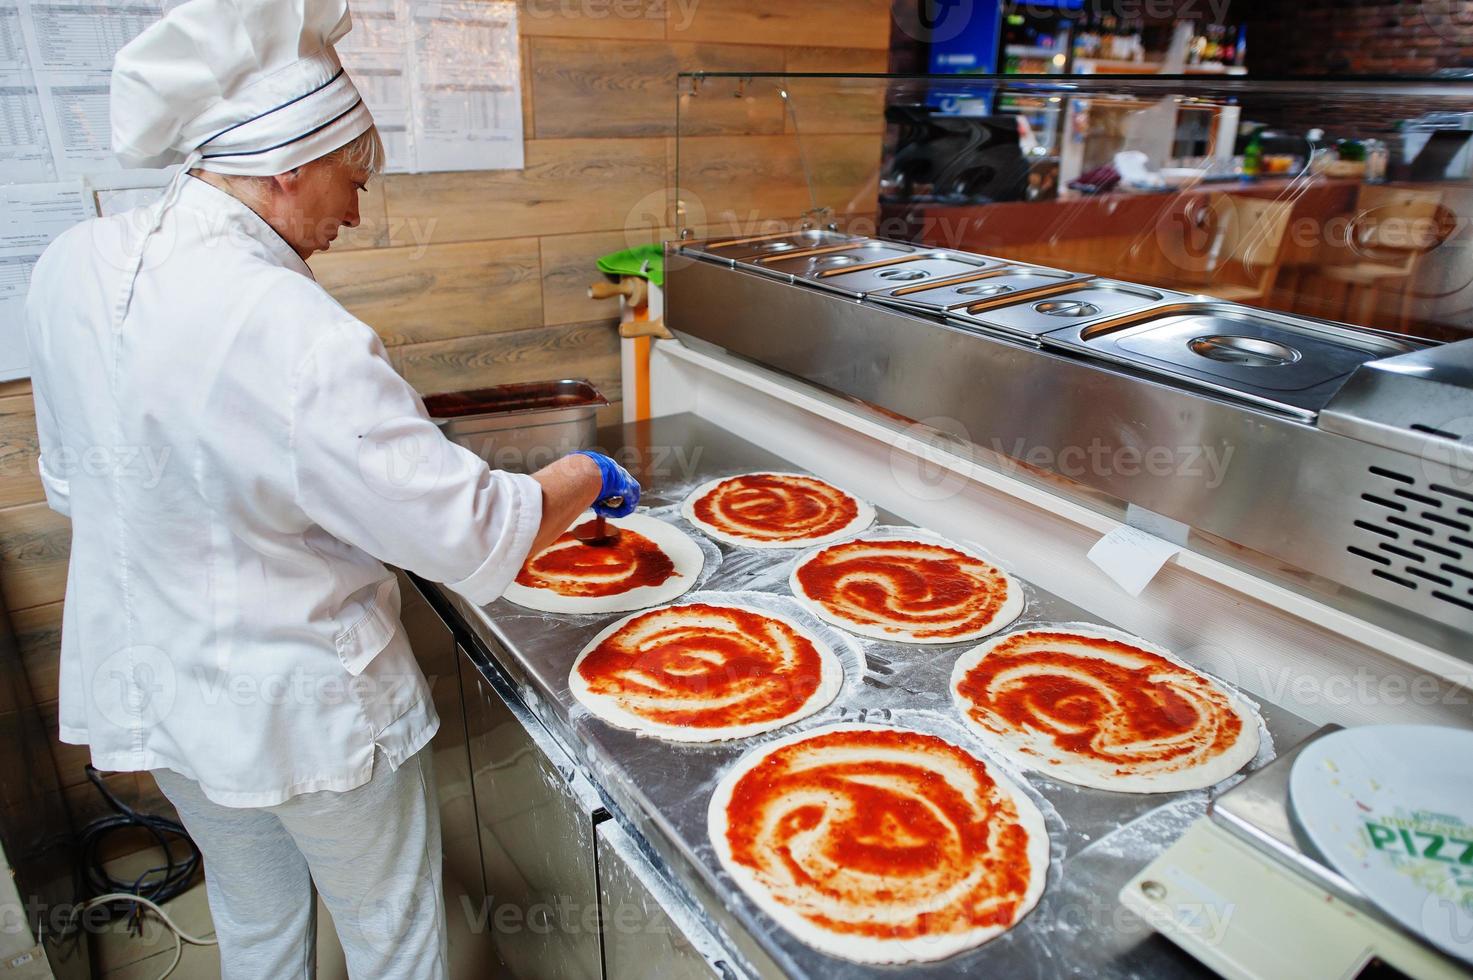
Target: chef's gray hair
(364, 152)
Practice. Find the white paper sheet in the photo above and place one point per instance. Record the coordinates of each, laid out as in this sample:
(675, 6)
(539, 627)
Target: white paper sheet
(1132, 556)
(376, 54)
(31, 215)
(129, 189)
(441, 77)
(466, 98)
(25, 152)
(71, 46)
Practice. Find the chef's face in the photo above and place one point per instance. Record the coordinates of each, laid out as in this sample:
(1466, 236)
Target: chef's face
(319, 198)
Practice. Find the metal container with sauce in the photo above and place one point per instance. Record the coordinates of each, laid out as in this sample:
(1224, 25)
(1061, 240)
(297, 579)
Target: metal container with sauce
(520, 427)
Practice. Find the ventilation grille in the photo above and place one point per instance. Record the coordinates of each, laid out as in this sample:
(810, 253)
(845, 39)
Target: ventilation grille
(1417, 536)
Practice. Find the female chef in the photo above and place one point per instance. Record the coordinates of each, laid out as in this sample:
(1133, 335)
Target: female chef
(229, 622)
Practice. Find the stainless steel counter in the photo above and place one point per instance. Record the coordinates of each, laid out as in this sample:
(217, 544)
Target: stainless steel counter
(659, 791)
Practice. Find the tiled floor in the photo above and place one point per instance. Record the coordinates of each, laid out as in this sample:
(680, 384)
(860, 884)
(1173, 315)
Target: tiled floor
(121, 956)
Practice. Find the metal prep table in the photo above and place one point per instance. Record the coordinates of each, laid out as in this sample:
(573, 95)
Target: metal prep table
(656, 793)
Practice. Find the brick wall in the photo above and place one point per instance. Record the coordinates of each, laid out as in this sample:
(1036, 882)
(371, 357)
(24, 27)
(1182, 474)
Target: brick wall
(1378, 37)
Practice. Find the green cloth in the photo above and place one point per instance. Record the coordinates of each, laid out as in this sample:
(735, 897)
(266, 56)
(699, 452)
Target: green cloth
(631, 262)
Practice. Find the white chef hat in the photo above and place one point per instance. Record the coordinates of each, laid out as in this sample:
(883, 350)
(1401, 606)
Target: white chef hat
(250, 87)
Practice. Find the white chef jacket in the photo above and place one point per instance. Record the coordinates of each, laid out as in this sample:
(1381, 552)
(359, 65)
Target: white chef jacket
(238, 458)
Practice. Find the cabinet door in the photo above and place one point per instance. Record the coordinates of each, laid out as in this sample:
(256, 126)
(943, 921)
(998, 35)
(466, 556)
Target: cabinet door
(650, 929)
(438, 655)
(536, 817)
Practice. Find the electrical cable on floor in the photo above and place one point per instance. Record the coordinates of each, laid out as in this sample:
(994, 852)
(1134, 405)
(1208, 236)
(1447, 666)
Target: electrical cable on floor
(180, 936)
(155, 885)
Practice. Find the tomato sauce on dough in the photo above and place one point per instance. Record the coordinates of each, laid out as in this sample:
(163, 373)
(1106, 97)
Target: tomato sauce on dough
(860, 831)
(705, 666)
(776, 507)
(915, 587)
(1101, 699)
(571, 568)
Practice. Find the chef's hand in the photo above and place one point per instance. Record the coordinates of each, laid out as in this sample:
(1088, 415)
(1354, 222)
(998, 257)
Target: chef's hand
(620, 491)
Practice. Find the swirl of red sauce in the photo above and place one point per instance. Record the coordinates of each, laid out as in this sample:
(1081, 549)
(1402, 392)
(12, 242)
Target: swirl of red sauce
(705, 666)
(571, 568)
(774, 507)
(864, 832)
(915, 588)
(1099, 700)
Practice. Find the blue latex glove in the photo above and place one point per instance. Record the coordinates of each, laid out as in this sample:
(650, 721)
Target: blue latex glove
(617, 484)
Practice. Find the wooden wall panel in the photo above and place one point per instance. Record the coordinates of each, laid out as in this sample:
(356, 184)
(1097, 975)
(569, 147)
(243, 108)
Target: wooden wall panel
(568, 266)
(828, 23)
(34, 544)
(598, 18)
(411, 294)
(739, 179)
(624, 88)
(576, 350)
(572, 185)
(837, 105)
(38, 635)
(19, 480)
(846, 171)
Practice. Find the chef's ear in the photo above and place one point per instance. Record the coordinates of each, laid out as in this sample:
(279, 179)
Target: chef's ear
(289, 181)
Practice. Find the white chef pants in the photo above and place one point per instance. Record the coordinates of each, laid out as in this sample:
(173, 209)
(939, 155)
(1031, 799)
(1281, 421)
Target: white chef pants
(373, 853)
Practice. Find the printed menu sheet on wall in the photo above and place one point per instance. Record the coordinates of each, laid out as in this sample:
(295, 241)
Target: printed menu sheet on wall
(441, 77)
(31, 215)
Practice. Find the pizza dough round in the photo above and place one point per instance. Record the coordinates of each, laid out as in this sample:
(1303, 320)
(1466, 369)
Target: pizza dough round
(703, 672)
(558, 579)
(908, 590)
(816, 826)
(776, 510)
(1103, 709)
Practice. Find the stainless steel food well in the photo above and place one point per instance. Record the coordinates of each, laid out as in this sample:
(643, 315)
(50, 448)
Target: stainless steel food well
(808, 264)
(1288, 363)
(887, 274)
(1086, 302)
(999, 279)
(1391, 452)
(755, 246)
